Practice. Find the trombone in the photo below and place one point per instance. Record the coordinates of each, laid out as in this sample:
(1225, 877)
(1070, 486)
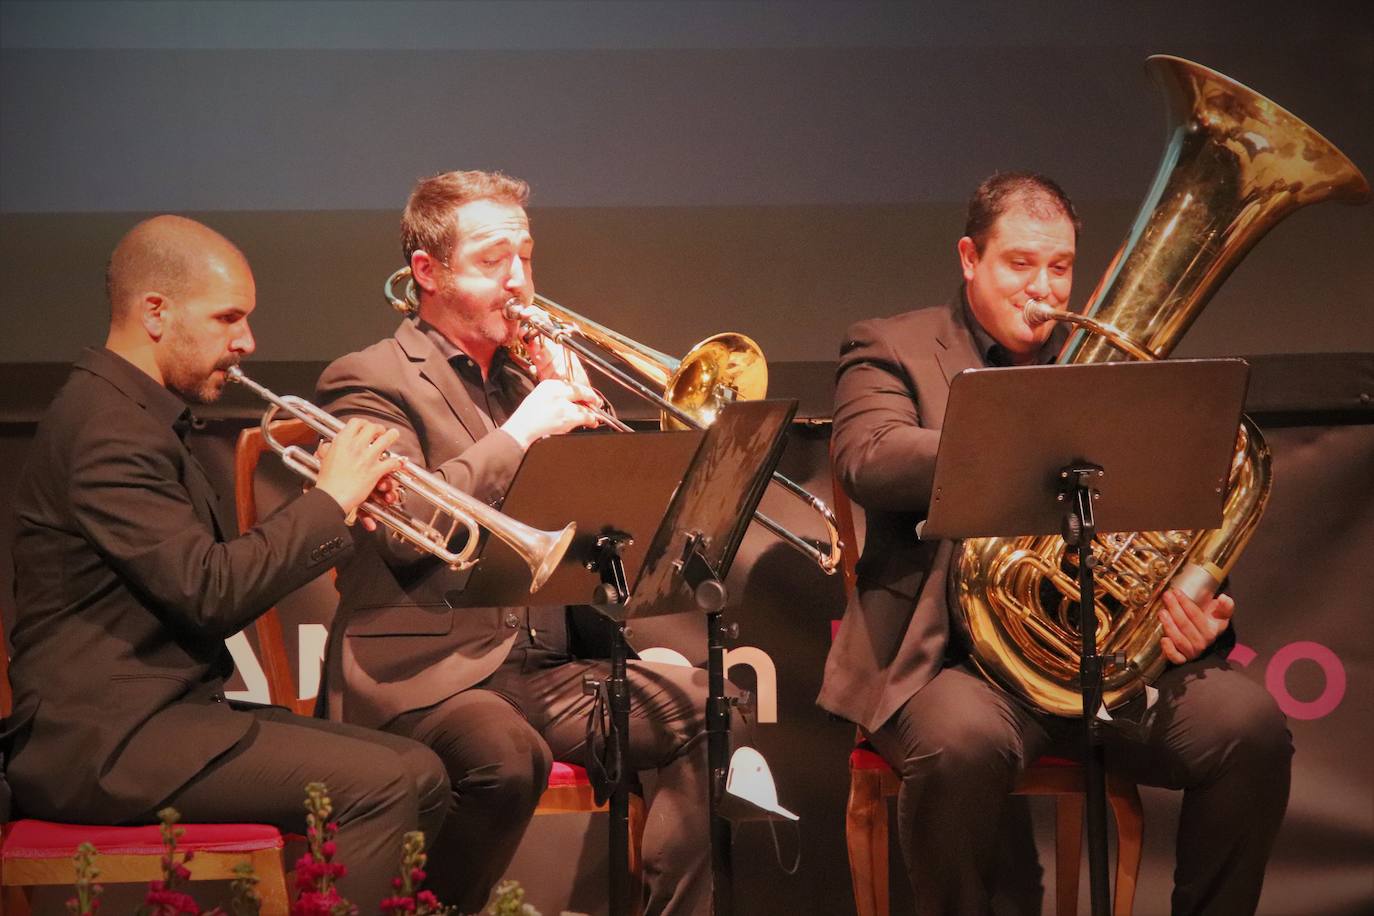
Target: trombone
(689, 392)
(453, 509)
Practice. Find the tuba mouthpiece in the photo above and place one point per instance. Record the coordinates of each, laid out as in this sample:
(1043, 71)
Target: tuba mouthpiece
(1037, 313)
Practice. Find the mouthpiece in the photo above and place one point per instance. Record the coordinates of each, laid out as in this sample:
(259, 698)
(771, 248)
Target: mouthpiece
(516, 310)
(1037, 313)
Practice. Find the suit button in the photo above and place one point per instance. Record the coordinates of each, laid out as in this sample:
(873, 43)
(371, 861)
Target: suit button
(512, 621)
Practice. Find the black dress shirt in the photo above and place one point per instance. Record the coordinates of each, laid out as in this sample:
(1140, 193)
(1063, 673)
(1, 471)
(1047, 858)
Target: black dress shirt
(496, 397)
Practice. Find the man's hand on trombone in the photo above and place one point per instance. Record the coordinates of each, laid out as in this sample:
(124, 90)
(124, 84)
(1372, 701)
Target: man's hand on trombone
(552, 360)
(554, 406)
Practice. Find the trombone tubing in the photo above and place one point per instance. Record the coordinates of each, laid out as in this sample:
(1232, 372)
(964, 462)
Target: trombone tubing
(546, 325)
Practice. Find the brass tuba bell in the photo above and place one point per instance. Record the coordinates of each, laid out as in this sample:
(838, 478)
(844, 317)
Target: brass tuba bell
(1235, 165)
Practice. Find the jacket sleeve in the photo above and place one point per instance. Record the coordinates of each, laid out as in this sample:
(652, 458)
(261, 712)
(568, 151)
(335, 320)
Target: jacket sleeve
(354, 386)
(884, 457)
(128, 501)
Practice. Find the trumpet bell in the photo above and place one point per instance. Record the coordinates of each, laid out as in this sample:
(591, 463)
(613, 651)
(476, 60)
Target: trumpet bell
(717, 370)
(544, 553)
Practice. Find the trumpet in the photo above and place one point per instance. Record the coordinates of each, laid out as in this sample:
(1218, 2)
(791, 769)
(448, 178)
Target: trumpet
(452, 508)
(689, 392)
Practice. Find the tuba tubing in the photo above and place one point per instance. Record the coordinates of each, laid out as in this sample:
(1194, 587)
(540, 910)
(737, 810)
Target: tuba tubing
(1235, 165)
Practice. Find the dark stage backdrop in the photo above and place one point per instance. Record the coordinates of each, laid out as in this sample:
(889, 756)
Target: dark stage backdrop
(779, 169)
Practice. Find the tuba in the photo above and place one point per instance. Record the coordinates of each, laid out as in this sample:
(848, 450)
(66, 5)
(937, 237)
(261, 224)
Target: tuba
(1236, 164)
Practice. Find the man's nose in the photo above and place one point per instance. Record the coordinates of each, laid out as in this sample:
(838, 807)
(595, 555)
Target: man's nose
(518, 274)
(244, 343)
(1039, 285)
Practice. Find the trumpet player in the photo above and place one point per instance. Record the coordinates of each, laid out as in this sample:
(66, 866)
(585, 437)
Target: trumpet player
(898, 670)
(128, 580)
(496, 692)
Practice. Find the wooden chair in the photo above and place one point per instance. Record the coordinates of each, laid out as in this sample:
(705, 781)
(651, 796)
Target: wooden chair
(872, 782)
(35, 853)
(569, 790)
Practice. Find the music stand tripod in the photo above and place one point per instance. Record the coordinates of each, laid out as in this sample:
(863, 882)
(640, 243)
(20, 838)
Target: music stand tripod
(659, 516)
(1122, 447)
(692, 556)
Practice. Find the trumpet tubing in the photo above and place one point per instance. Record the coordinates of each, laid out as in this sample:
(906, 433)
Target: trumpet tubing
(451, 510)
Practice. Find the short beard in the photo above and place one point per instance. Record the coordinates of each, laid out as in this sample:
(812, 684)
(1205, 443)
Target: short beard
(193, 387)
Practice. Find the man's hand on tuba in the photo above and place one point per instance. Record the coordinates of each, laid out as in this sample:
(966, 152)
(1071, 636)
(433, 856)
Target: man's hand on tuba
(1190, 629)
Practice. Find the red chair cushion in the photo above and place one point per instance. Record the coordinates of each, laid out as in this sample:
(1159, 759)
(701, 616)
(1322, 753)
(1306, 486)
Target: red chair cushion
(32, 839)
(861, 758)
(567, 774)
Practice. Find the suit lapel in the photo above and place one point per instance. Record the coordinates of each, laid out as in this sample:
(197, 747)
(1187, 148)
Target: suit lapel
(435, 370)
(955, 351)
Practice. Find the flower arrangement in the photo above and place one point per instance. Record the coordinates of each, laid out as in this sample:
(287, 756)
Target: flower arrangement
(87, 899)
(316, 870)
(510, 901)
(317, 874)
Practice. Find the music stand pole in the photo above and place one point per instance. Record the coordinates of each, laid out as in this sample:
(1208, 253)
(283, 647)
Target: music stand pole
(614, 590)
(1080, 528)
(710, 595)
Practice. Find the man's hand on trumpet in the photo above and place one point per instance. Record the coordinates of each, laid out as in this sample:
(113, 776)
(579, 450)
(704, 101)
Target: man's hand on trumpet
(352, 467)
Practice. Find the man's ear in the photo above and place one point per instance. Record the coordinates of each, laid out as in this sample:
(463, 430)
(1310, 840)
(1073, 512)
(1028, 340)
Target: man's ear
(968, 256)
(152, 314)
(422, 268)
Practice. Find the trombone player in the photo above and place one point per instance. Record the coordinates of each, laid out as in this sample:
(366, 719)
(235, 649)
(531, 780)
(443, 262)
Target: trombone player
(496, 692)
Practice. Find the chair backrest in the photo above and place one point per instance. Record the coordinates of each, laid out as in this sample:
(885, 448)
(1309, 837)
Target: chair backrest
(248, 452)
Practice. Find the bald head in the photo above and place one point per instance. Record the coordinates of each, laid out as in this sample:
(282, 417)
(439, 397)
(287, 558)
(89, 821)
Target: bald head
(168, 255)
(180, 297)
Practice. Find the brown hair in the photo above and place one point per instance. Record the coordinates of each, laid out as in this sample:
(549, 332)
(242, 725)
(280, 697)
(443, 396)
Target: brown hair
(428, 223)
(1040, 196)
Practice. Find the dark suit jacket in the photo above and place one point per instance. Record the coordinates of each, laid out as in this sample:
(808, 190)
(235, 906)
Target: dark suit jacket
(893, 382)
(126, 588)
(396, 643)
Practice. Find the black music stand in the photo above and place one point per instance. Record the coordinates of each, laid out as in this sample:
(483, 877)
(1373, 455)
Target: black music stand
(692, 555)
(660, 517)
(1076, 449)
